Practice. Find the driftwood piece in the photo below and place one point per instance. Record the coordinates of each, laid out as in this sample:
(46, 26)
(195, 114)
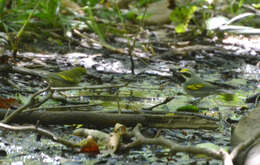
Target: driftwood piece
(140, 140)
(102, 119)
(245, 138)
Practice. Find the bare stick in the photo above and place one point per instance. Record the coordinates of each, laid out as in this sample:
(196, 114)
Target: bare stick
(141, 140)
(40, 131)
(28, 104)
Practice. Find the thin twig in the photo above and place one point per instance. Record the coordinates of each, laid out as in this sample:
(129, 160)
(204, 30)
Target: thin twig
(59, 108)
(42, 132)
(50, 94)
(89, 87)
(28, 104)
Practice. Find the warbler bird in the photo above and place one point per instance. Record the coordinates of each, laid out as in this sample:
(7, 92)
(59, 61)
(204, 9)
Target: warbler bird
(199, 88)
(68, 78)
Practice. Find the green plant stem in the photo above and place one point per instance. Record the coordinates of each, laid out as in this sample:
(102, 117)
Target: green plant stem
(95, 26)
(20, 32)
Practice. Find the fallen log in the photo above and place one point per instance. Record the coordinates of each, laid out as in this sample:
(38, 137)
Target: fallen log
(106, 119)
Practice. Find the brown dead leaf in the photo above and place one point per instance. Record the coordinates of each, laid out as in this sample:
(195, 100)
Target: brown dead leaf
(89, 145)
(8, 103)
(4, 59)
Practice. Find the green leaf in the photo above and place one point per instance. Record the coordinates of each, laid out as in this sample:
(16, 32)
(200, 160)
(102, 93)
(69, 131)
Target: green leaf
(188, 108)
(236, 6)
(131, 15)
(142, 16)
(93, 2)
(2, 5)
(257, 6)
(181, 17)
